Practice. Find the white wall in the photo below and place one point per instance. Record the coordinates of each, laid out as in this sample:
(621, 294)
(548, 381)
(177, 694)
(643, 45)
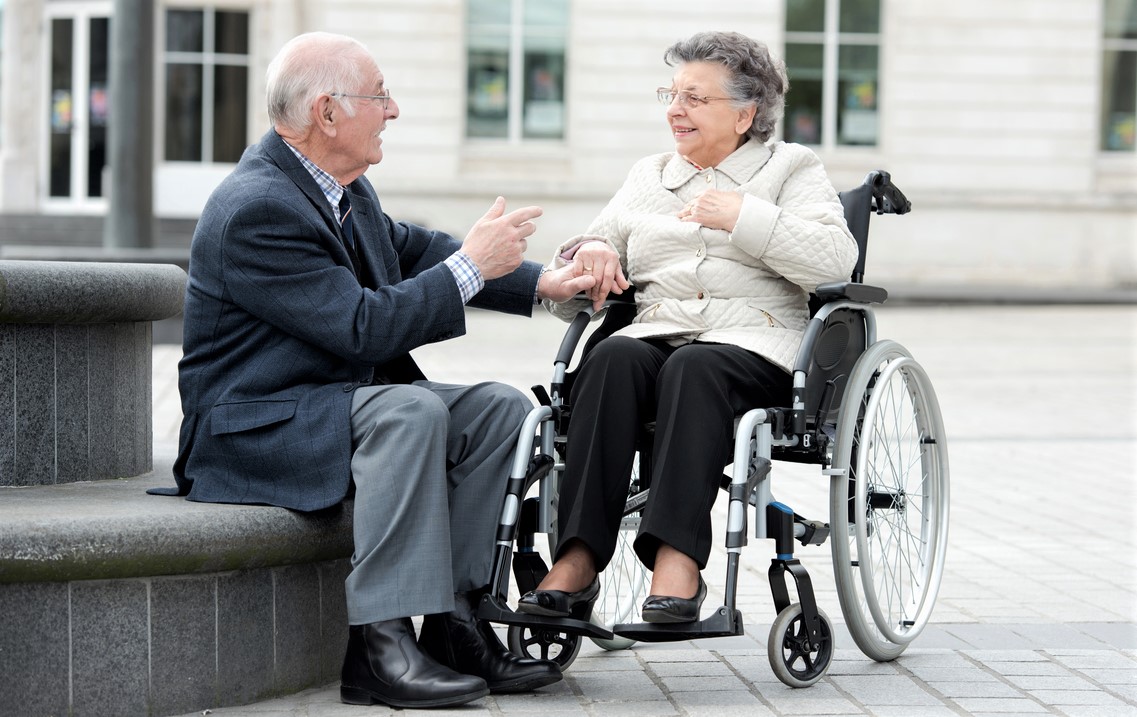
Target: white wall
(989, 122)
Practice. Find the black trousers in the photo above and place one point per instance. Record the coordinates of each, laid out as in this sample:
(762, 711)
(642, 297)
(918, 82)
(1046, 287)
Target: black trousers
(693, 393)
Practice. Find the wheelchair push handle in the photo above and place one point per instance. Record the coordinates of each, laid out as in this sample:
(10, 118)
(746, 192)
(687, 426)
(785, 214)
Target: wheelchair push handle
(886, 196)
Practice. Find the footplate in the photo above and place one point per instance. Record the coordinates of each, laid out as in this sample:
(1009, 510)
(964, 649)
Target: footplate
(493, 609)
(723, 623)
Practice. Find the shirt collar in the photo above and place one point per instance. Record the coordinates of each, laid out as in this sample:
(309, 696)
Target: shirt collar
(739, 166)
(332, 189)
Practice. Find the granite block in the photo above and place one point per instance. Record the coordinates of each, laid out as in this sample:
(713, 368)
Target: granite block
(7, 398)
(34, 646)
(72, 422)
(297, 629)
(244, 635)
(183, 644)
(333, 615)
(102, 392)
(109, 647)
(126, 402)
(35, 405)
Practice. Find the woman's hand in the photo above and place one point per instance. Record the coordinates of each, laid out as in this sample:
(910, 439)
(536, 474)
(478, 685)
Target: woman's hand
(714, 208)
(596, 258)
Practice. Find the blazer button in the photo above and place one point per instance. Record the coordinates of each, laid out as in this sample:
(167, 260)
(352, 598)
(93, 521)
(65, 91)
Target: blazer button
(699, 295)
(348, 387)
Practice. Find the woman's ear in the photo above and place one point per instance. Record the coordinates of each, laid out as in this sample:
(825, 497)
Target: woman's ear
(745, 119)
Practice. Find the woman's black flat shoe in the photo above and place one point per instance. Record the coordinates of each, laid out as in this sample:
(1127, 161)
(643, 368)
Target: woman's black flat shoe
(558, 603)
(664, 608)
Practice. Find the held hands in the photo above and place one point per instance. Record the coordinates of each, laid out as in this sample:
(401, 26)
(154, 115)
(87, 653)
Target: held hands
(601, 262)
(497, 242)
(714, 208)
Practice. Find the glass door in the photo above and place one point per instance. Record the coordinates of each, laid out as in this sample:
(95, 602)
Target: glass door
(77, 106)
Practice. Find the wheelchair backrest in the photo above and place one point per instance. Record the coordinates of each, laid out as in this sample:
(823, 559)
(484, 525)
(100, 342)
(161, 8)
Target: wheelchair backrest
(845, 335)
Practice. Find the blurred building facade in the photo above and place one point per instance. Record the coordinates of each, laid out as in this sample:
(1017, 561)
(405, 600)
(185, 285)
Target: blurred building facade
(1009, 124)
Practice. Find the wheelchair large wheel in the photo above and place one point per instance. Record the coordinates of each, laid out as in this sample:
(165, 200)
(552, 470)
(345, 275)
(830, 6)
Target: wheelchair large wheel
(625, 582)
(888, 501)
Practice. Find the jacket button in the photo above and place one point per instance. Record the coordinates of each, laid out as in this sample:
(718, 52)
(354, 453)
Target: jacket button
(348, 387)
(699, 295)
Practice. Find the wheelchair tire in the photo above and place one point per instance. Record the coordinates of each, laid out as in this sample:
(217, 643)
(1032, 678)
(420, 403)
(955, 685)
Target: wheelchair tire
(792, 661)
(889, 466)
(562, 648)
(624, 583)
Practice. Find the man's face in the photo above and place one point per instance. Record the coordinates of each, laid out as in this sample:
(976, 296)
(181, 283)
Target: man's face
(358, 140)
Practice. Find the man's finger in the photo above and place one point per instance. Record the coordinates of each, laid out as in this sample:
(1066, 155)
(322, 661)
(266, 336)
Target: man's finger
(524, 214)
(496, 210)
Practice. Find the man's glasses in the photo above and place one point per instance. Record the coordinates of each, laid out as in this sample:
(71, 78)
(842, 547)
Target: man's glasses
(383, 100)
(667, 95)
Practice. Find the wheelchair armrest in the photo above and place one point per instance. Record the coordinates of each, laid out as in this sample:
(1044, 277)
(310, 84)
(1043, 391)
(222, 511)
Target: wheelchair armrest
(851, 291)
(618, 310)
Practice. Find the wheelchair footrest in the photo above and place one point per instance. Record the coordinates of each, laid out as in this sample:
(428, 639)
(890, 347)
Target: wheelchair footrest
(493, 609)
(723, 623)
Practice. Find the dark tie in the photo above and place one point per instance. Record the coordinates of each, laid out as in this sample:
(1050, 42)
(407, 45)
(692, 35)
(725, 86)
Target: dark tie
(346, 222)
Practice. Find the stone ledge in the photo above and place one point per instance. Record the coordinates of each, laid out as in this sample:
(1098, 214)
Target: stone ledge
(75, 292)
(111, 529)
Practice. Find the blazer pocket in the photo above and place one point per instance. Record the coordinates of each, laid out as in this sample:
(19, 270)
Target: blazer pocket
(247, 415)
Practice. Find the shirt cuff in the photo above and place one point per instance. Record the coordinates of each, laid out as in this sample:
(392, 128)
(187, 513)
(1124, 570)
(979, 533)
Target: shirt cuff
(466, 275)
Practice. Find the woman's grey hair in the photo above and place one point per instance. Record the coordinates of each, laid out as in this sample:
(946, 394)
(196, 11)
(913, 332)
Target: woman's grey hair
(308, 65)
(756, 76)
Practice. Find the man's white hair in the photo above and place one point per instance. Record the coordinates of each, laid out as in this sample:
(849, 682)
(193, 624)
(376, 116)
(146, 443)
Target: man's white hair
(306, 66)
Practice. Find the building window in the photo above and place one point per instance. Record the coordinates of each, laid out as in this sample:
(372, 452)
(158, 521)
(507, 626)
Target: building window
(833, 60)
(1119, 76)
(77, 105)
(516, 69)
(207, 84)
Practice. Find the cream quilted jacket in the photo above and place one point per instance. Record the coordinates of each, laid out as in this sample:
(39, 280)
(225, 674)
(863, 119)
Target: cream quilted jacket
(749, 287)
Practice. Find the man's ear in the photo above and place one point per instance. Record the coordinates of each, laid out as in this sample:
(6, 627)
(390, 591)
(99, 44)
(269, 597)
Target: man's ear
(325, 114)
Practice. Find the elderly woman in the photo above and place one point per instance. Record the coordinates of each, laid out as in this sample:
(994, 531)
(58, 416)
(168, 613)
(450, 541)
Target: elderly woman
(724, 239)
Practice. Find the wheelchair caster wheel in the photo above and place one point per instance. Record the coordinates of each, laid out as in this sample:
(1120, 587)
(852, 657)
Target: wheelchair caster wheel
(794, 660)
(559, 647)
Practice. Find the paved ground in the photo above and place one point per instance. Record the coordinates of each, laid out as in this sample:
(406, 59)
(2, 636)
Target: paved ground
(1038, 611)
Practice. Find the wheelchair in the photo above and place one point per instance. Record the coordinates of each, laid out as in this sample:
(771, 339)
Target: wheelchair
(862, 408)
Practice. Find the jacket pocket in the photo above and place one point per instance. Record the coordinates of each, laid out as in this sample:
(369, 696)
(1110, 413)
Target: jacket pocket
(768, 316)
(247, 415)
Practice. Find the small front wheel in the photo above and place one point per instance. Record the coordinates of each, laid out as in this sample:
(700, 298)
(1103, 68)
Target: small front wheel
(796, 660)
(560, 647)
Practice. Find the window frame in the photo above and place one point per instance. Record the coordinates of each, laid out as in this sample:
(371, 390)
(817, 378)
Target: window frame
(208, 59)
(831, 40)
(515, 81)
(1118, 45)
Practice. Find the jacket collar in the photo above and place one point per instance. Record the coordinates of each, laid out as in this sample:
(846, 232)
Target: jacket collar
(740, 166)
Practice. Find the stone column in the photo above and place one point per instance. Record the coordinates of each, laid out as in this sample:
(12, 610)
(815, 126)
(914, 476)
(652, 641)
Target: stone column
(130, 221)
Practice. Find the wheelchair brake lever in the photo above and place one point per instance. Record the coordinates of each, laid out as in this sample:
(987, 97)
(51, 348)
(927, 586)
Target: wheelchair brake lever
(542, 395)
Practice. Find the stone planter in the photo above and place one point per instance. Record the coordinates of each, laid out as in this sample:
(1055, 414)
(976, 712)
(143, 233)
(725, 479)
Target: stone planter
(75, 367)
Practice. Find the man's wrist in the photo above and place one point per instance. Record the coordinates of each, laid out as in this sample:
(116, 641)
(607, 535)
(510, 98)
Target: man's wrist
(466, 275)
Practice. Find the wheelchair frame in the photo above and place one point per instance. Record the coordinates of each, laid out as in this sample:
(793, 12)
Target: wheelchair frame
(874, 513)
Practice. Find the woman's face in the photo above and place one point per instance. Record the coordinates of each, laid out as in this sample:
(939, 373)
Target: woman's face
(705, 132)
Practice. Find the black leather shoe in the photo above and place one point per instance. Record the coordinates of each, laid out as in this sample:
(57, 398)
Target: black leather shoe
(384, 664)
(663, 608)
(558, 603)
(468, 645)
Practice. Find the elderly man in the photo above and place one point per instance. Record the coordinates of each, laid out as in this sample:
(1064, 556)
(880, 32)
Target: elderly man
(297, 387)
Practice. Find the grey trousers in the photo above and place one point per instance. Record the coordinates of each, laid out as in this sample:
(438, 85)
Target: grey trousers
(430, 465)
